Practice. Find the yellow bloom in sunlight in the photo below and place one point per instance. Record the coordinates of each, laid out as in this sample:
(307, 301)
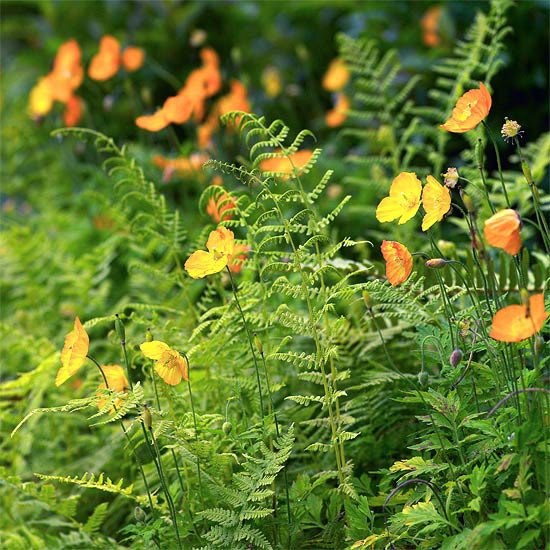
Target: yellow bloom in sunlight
(74, 352)
(169, 365)
(41, 98)
(403, 201)
(116, 381)
(436, 200)
(220, 247)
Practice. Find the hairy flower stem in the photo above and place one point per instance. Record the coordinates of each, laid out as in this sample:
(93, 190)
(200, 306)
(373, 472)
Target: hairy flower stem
(155, 454)
(130, 443)
(541, 218)
(196, 426)
(171, 450)
(490, 134)
(251, 344)
(158, 463)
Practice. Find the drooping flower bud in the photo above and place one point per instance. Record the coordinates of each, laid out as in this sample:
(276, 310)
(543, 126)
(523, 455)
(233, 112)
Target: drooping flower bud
(468, 202)
(456, 357)
(227, 427)
(146, 417)
(423, 378)
(139, 514)
(451, 177)
(367, 299)
(436, 263)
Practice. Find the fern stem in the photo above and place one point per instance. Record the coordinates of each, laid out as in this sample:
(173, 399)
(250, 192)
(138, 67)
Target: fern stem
(250, 343)
(130, 443)
(171, 450)
(195, 424)
(272, 409)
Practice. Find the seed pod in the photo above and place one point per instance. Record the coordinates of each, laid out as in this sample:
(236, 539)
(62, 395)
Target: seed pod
(119, 327)
(258, 344)
(436, 263)
(227, 427)
(456, 357)
(539, 344)
(146, 417)
(423, 378)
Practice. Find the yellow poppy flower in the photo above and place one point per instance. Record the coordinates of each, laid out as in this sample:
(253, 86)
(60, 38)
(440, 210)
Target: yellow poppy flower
(117, 382)
(74, 352)
(436, 200)
(220, 247)
(403, 201)
(169, 365)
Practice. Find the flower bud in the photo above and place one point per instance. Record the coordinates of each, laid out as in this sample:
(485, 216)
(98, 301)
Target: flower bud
(456, 357)
(539, 344)
(227, 427)
(468, 202)
(146, 417)
(436, 263)
(367, 299)
(479, 153)
(258, 344)
(423, 378)
(148, 335)
(119, 327)
(139, 514)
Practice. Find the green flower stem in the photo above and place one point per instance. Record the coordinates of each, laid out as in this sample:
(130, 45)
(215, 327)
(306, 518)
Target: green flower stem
(490, 134)
(196, 426)
(158, 464)
(130, 443)
(250, 343)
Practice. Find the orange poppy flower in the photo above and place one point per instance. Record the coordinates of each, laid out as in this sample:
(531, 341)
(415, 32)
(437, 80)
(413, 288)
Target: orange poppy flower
(398, 262)
(67, 73)
(73, 111)
(518, 322)
(106, 62)
(220, 247)
(217, 207)
(338, 115)
(132, 58)
(153, 123)
(239, 256)
(169, 365)
(235, 100)
(430, 26)
(283, 167)
(469, 111)
(117, 382)
(73, 355)
(501, 230)
(337, 76)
